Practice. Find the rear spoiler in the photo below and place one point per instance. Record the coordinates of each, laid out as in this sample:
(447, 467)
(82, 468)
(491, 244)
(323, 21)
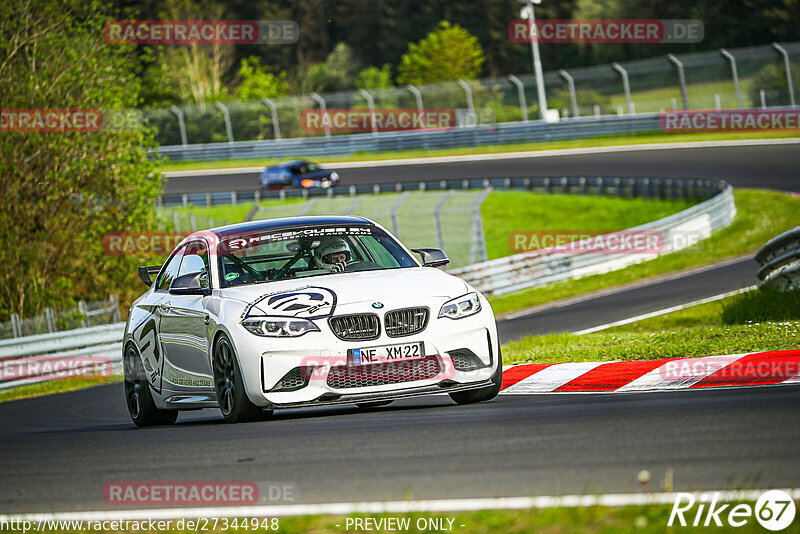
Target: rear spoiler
(145, 272)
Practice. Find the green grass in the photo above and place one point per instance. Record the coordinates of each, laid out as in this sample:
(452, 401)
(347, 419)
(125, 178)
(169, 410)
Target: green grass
(591, 520)
(504, 212)
(55, 386)
(701, 96)
(650, 138)
(759, 320)
(761, 215)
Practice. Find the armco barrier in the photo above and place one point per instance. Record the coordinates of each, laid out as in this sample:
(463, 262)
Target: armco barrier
(780, 260)
(521, 271)
(98, 341)
(493, 134)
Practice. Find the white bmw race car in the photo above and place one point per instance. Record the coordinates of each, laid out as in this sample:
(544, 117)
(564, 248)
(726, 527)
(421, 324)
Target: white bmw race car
(303, 311)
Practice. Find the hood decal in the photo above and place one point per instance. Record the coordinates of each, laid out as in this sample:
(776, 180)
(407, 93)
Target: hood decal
(309, 302)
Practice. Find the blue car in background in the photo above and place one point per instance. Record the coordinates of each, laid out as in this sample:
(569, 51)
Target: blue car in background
(298, 173)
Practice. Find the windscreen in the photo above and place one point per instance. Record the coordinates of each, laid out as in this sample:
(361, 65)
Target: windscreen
(306, 252)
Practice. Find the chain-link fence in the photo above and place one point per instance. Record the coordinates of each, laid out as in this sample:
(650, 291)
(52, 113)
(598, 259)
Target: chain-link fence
(84, 315)
(735, 78)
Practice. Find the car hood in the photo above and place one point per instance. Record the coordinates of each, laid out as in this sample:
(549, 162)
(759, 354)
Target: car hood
(316, 296)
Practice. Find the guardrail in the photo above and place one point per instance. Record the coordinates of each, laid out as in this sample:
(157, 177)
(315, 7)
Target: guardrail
(491, 134)
(32, 359)
(521, 271)
(780, 260)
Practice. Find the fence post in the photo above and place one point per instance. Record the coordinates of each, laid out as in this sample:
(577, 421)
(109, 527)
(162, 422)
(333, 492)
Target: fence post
(681, 79)
(393, 213)
(735, 75)
(324, 107)
(437, 220)
(192, 222)
(274, 111)
(227, 116)
(85, 312)
(234, 199)
(115, 314)
(371, 104)
(15, 326)
(782, 51)
(175, 222)
(763, 96)
(181, 125)
(477, 249)
(185, 200)
(626, 86)
(418, 98)
(523, 106)
(50, 316)
(470, 104)
(208, 199)
(572, 96)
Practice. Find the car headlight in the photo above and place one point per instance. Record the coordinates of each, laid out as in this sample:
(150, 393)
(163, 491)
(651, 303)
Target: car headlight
(463, 306)
(279, 326)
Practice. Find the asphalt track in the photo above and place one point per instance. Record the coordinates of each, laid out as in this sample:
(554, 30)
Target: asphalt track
(758, 166)
(58, 452)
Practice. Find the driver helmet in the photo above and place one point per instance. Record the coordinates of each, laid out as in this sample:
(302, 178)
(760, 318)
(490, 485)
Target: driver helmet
(332, 251)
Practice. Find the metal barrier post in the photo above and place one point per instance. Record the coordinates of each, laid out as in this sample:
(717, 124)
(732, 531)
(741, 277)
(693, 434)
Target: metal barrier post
(50, 316)
(371, 104)
(393, 212)
(470, 104)
(85, 312)
(181, 125)
(227, 116)
(115, 314)
(681, 79)
(782, 51)
(477, 249)
(523, 107)
(626, 86)
(418, 98)
(437, 218)
(15, 326)
(274, 111)
(321, 101)
(734, 74)
(572, 96)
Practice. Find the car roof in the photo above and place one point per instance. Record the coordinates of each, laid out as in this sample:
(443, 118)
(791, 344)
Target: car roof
(288, 222)
(285, 164)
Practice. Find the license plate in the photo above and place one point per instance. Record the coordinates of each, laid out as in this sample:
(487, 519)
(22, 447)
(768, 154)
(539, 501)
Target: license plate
(387, 353)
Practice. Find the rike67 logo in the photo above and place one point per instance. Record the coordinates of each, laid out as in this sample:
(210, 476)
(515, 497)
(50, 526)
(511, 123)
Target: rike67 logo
(774, 510)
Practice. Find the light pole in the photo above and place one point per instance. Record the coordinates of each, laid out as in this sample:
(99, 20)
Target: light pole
(537, 62)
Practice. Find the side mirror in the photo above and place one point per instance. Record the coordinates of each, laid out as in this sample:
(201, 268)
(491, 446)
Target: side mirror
(191, 284)
(432, 257)
(145, 272)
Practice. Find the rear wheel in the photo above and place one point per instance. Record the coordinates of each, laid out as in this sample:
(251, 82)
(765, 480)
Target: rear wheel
(141, 406)
(228, 383)
(482, 394)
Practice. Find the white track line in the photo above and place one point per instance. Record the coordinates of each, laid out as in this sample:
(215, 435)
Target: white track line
(397, 507)
(505, 155)
(664, 311)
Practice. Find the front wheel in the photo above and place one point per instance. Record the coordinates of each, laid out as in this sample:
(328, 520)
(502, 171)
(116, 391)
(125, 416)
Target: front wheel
(482, 394)
(229, 386)
(141, 406)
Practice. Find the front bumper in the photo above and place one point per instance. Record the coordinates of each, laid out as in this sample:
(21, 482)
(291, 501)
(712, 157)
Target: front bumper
(267, 361)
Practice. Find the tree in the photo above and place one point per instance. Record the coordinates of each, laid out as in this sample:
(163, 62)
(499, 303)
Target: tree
(257, 82)
(448, 53)
(62, 192)
(375, 78)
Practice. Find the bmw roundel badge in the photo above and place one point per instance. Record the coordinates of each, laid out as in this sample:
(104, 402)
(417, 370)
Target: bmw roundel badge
(377, 305)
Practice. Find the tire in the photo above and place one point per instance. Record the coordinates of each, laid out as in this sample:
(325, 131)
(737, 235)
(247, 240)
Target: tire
(482, 394)
(229, 386)
(138, 398)
(373, 404)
